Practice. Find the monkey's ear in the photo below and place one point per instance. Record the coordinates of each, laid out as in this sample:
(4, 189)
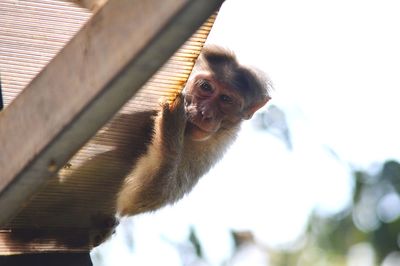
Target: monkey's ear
(253, 108)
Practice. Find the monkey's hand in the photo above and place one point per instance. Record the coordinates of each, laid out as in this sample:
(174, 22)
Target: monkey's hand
(175, 110)
(173, 123)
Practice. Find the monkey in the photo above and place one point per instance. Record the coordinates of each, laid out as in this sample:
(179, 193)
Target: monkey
(192, 133)
(169, 149)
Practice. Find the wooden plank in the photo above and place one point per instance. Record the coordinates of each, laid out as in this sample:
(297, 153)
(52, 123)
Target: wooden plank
(40, 240)
(101, 68)
(1, 96)
(47, 259)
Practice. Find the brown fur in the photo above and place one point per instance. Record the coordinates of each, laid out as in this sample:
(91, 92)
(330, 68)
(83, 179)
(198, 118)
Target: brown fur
(170, 148)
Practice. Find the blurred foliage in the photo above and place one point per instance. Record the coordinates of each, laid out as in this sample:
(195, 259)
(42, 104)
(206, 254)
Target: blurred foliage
(372, 219)
(365, 233)
(194, 240)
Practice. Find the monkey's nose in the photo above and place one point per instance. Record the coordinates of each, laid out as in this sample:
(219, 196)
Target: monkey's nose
(206, 115)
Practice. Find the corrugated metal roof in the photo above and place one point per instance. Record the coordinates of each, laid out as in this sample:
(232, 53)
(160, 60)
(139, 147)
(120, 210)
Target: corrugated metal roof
(31, 33)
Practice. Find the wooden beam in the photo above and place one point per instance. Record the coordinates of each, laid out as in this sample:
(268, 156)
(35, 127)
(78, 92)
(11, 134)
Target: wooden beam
(1, 96)
(100, 69)
(48, 259)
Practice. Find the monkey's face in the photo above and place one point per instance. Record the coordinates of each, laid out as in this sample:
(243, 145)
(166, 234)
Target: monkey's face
(210, 106)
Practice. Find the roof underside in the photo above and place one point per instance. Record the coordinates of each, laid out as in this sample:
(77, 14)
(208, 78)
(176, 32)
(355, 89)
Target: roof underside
(32, 32)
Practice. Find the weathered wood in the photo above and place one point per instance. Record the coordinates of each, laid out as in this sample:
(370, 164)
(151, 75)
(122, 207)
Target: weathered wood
(44, 240)
(47, 259)
(84, 85)
(1, 96)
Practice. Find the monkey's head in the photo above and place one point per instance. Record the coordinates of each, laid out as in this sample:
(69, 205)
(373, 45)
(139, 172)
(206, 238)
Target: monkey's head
(220, 93)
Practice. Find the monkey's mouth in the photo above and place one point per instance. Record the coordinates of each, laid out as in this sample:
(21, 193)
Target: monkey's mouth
(196, 132)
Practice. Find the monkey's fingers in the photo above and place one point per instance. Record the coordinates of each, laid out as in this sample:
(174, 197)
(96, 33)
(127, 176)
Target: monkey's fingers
(177, 103)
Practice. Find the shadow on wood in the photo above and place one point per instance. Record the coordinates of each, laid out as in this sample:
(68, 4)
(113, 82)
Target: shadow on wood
(47, 259)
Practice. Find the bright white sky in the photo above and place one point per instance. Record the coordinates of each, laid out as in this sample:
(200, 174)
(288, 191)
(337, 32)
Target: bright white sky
(335, 66)
(335, 62)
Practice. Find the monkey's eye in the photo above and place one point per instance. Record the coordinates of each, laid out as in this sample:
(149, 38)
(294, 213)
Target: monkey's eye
(205, 86)
(226, 99)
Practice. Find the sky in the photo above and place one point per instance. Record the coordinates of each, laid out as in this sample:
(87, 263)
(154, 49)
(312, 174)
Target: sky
(335, 69)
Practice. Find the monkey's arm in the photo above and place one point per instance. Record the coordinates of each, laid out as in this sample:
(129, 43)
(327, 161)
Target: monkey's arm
(151, 182)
